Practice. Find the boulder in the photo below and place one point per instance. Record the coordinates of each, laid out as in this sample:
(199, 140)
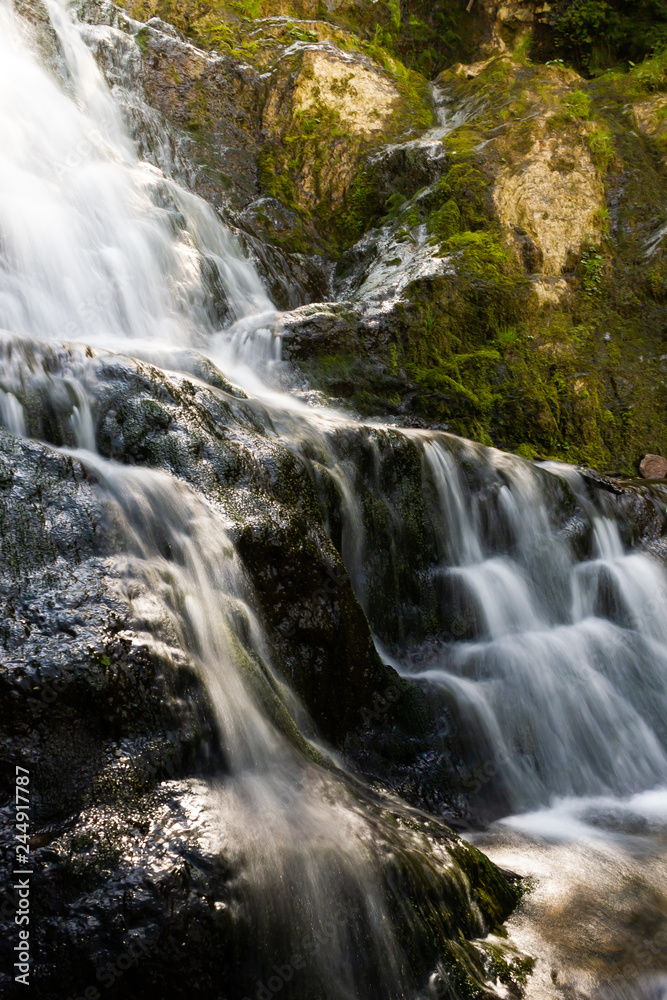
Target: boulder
(653, 467)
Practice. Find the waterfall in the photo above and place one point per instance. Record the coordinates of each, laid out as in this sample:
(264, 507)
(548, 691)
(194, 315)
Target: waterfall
(99, 248)
(542, 648)
(292, 827)
(565, 677)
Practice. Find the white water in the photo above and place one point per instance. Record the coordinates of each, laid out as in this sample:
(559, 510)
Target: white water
(101, 248)
(302, 846)
(560, 688)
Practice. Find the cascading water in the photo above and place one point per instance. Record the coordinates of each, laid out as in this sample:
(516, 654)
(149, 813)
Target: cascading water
(544, 650)
(565, 676)
(99, 247)
(291, 827)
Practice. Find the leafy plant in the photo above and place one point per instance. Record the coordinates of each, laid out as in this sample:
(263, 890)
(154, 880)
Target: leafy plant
(592, 266)
(578, 104)
(601, 146)
(596, 34)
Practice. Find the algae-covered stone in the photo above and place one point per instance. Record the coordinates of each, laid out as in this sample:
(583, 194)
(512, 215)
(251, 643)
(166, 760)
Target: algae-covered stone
(325, 106)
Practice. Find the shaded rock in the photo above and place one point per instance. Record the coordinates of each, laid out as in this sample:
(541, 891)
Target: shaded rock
(269, 232)
(498, 24)
(321, 329)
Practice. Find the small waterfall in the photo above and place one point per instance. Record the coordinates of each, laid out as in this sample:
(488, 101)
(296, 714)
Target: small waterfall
(304, 850)
(552, 663)
(11, 413)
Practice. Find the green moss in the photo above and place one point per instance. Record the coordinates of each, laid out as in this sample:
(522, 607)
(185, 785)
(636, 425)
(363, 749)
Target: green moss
(363, 205)
(578, 105)
(141, 38)
(496, 897)
(592, 265)
(522, 47)
(601, 146)
(466, 186)
(274, 180)
(508, 966)
(483, 253)
(446, 221)
(296, 168)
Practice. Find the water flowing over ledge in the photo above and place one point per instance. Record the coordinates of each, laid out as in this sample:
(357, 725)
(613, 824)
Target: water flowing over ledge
(207, 551)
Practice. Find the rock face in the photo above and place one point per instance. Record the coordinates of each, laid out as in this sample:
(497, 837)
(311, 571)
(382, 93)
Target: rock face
(491, 261)
(500, 24)
(112, 716)
(556, 197)
(328, 105)
(653, 467)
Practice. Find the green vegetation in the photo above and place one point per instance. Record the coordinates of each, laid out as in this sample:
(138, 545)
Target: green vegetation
(581, 379)
(424, 40)
(592, 265)
(598, 34)
(575, 376)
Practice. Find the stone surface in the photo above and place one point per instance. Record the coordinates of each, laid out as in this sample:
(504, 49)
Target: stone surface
(359, 92)
(342, 100)
(653, 467)
(556, 196)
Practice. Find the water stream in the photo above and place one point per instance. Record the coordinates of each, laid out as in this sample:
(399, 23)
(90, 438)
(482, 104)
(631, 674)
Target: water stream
(543, 649)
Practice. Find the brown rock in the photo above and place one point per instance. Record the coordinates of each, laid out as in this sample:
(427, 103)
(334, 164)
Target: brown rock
(653, 467)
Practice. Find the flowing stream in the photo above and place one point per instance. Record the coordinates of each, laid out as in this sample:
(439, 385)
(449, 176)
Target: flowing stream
(541, 642)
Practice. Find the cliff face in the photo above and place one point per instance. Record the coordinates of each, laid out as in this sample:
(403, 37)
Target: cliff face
(496, 239)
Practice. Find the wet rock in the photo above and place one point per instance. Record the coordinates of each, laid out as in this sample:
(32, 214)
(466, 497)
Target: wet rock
(130, 876)
(320, 330)
(266, 230)
(219, 444)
